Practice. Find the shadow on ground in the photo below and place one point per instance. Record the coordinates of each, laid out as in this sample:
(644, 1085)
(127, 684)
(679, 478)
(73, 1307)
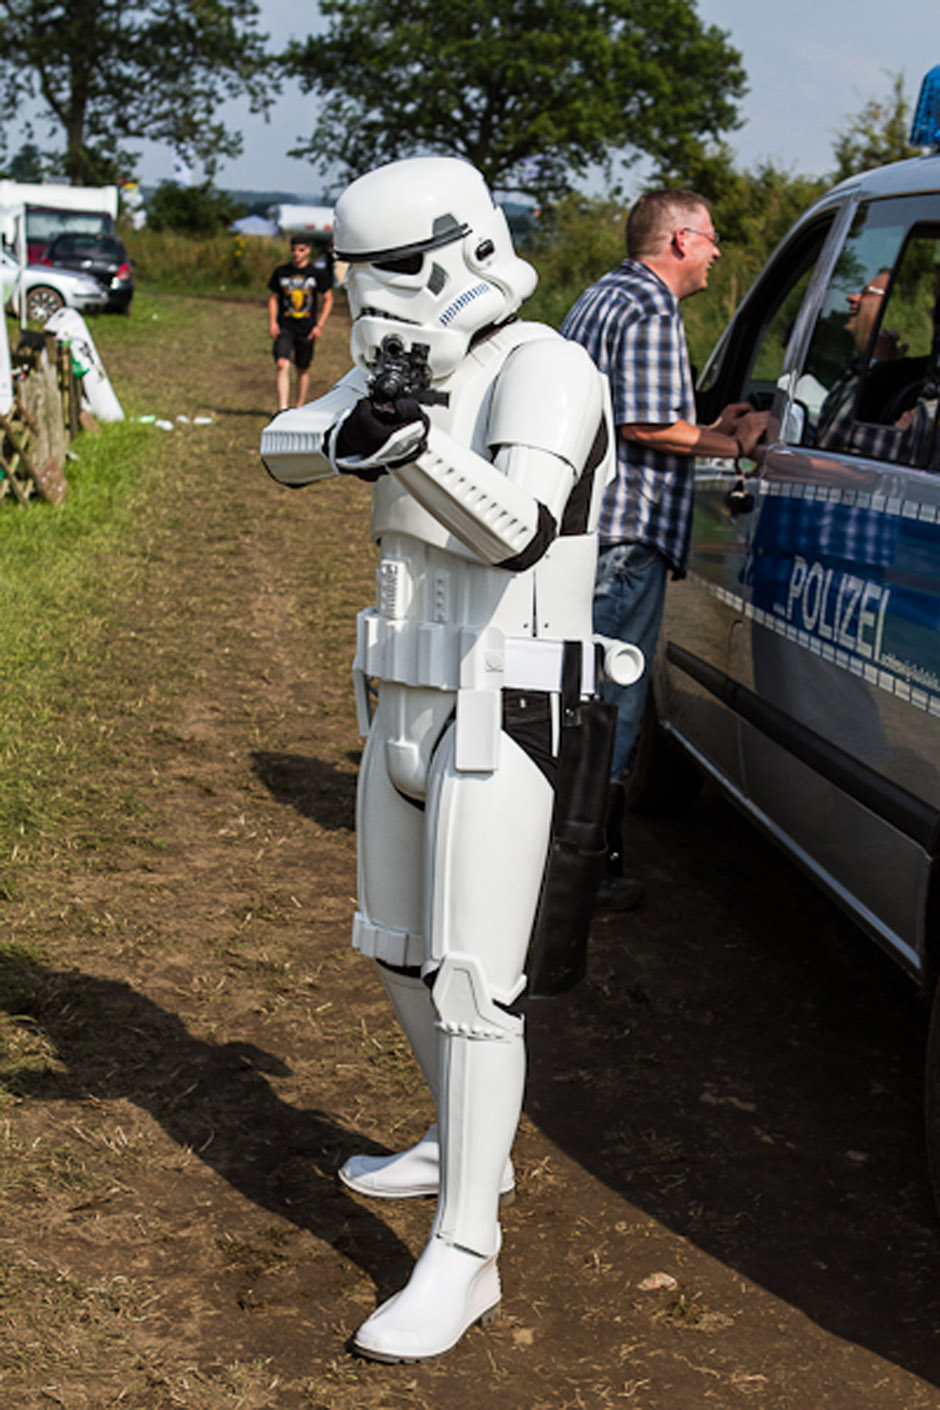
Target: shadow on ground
(316, 790)
(211, 1098)
(745, 1066)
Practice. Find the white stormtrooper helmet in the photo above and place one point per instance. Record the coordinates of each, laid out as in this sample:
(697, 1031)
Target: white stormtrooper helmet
(431, 259)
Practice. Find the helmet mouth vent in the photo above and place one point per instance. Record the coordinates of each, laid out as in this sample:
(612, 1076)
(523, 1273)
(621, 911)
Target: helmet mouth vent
(390, 317)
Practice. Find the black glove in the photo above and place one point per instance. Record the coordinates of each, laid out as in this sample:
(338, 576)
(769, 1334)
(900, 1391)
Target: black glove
(368, 428)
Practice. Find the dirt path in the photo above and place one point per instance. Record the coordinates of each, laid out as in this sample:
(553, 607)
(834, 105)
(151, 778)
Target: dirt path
(191, 1048)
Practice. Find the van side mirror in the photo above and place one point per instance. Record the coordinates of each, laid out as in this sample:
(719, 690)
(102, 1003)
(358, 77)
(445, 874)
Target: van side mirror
(794, 423)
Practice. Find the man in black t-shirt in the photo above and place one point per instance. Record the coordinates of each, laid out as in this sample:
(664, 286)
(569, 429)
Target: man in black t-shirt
(292, 314)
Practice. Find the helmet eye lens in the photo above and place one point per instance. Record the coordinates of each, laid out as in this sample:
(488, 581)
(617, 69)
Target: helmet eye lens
(407, 264)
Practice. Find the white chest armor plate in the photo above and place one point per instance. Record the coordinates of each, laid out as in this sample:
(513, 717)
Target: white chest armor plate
(434, 596)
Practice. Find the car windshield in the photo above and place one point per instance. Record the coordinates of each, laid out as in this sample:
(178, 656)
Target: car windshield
(105, 246)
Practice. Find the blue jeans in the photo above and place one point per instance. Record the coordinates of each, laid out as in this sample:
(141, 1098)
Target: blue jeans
(629, 592)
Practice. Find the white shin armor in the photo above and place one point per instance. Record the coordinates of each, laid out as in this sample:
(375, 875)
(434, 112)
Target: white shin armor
(481, 1087)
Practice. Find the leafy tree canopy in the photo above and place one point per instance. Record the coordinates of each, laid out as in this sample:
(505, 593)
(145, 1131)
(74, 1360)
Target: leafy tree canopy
(750, 208)
(530, 91)
(192, 210)
(27, 164)
(110, 71)
(876, 135)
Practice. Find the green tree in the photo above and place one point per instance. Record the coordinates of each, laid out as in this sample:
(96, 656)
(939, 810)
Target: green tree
(192, 210)
(27, 164)
(876, 135)
(752, 209)
(106, 72)
(531, 92)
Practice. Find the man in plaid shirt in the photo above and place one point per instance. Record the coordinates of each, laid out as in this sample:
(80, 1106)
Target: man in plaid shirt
(631, 324)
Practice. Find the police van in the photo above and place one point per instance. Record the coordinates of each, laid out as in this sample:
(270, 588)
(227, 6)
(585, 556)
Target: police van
(799, 662)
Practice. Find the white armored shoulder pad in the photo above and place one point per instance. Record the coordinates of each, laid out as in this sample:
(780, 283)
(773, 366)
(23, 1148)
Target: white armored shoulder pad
(549, 397)
(494, 517)
(292, 445)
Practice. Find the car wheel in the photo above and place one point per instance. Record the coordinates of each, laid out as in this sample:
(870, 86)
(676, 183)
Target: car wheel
(42, 302)
(663, 779)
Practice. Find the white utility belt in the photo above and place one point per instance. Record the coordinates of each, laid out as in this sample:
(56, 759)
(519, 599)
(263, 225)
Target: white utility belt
(442, 657)
(476, 663)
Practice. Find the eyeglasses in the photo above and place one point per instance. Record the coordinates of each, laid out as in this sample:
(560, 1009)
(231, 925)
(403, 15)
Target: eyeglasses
(708, 234)
(871, 289)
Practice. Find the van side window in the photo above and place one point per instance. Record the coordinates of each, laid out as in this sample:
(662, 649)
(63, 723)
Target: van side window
(869, 378)
(748, 364)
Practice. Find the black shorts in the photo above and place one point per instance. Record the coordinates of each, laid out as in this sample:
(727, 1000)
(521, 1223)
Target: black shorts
(295, 343)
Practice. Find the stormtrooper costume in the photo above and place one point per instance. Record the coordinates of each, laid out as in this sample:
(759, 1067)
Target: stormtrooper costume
(487, 488)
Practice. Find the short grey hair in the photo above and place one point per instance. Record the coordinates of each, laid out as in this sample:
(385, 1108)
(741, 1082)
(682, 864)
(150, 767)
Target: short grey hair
(656, 215)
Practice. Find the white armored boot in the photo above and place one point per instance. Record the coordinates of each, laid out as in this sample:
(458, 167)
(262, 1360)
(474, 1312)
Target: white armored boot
(455, 1282)
(413, 1173)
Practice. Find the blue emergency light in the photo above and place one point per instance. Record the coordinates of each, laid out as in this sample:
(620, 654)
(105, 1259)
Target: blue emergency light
(925, 129)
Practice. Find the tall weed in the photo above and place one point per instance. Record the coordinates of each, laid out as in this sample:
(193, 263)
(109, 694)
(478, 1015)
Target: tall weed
(221, 264)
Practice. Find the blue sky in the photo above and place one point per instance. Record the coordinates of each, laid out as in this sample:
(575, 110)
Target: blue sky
(810, 64)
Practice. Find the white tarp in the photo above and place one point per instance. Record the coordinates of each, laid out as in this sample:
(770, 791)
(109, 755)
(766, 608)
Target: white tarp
(69, 327)
(254, 225)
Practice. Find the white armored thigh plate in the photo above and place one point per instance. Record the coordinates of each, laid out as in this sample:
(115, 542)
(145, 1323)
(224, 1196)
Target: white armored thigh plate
(390, 834)
(487, 844)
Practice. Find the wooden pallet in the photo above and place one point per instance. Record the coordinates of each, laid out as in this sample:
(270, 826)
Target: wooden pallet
(16, 465)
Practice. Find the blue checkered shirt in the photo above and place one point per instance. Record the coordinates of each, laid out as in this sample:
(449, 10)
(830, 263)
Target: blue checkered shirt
(839, 430)
(632, 327)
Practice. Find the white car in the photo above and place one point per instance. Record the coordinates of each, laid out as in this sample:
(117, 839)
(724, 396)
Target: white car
(49, 289)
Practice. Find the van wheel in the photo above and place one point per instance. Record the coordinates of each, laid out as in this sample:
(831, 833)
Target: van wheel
(663, 779)
(42, 302)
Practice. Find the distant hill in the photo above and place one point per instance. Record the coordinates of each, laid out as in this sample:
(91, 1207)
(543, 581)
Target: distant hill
(522, 216)
(259, 202)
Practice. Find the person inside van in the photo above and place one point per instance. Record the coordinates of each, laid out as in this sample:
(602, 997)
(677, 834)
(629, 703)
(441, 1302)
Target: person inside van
(838, 427)
(883, 406)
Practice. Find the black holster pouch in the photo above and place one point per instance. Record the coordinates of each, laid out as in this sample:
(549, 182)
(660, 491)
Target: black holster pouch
(557, 957)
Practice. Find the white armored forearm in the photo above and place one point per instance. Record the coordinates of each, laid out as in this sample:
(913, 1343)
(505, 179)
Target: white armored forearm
(483, 508)
(292, 446)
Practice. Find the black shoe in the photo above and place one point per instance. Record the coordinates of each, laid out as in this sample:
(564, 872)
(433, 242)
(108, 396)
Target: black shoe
(619, 893)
